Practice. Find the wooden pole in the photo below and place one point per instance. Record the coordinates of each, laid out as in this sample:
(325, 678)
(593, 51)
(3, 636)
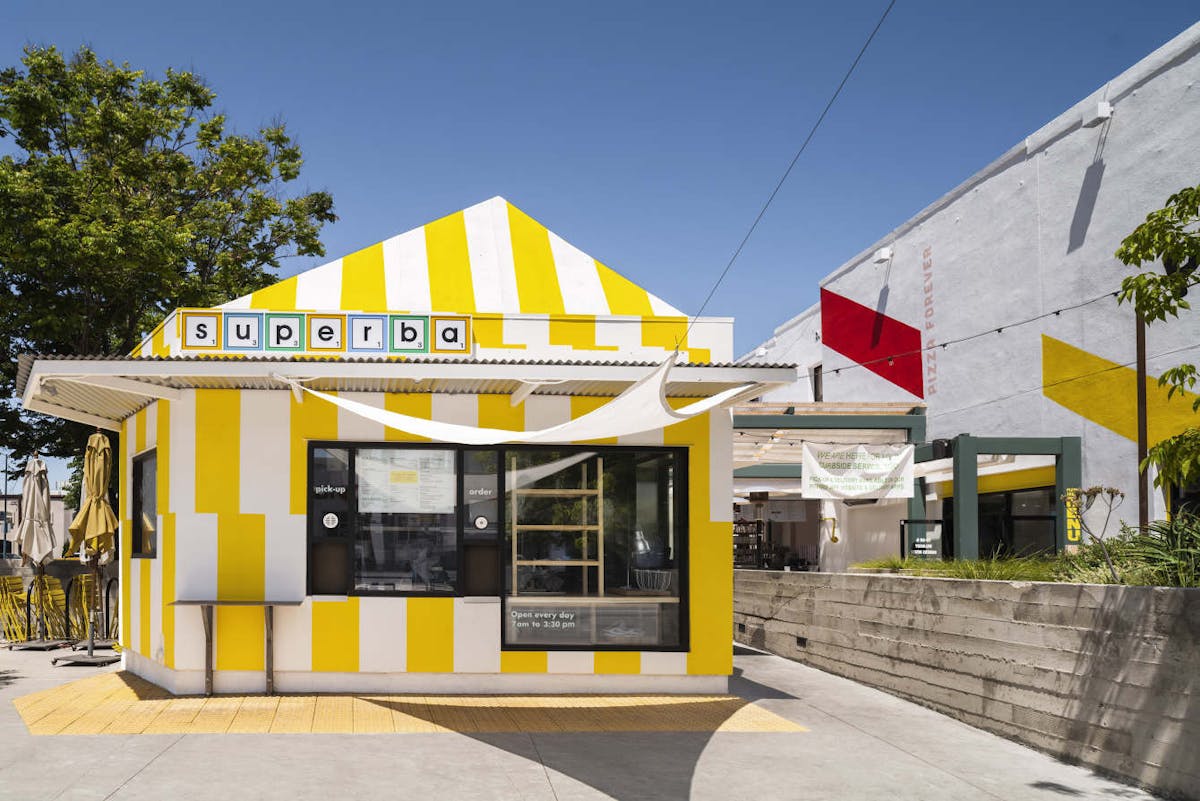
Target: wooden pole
(1142, 434)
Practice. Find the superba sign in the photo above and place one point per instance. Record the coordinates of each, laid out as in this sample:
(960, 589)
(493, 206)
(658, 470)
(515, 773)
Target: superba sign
(324, 332)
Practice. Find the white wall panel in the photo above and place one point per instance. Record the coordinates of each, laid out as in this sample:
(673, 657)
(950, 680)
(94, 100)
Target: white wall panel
(382, 635)
(476, 635)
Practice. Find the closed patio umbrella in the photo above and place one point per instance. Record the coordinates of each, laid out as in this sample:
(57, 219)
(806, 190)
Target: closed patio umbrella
(93, 535)
(38, 540)
(35, 533)
(94, 529)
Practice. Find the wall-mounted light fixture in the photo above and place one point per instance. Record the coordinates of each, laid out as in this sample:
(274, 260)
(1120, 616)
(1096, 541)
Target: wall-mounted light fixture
(882, 256)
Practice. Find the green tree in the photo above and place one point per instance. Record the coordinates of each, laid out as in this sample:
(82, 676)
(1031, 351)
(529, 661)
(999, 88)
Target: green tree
(1170, 236)
(122, 197)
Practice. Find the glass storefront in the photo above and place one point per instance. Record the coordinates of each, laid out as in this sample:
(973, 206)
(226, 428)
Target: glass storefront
(586, 546)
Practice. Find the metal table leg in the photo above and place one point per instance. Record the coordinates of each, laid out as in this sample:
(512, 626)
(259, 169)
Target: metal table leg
(269, 619)
(206, 612)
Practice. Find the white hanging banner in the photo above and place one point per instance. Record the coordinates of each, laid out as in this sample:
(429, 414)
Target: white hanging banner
(857, 471)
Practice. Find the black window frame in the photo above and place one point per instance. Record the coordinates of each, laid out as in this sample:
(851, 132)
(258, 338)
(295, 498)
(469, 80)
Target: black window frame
(681, 500)
(1007, 520)
(137, 468)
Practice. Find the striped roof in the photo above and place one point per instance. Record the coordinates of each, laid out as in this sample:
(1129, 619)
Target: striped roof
(489, 258)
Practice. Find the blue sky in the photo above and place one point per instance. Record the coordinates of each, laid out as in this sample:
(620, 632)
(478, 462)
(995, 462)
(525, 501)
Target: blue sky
(648, 134)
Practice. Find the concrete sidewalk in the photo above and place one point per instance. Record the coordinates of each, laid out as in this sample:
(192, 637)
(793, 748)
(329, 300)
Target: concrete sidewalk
(860, 744)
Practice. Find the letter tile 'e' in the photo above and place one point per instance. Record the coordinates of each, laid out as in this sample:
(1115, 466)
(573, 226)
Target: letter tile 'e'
(326, 332)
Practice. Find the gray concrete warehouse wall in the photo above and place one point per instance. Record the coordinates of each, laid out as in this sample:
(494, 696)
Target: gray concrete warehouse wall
(1107, 676)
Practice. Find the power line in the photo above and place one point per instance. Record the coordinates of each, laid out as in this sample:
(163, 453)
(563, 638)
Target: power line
(775, 438)
(1064, 381)
(788, 171)
(996, 329)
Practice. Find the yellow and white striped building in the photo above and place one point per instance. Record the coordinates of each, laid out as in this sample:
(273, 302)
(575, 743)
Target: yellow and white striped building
(232, 446)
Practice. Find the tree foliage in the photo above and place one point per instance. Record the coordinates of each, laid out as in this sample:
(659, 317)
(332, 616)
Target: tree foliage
(1170, 236)
(122, 197)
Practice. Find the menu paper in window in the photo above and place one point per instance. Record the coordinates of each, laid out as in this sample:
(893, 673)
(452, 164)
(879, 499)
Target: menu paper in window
(406, 481)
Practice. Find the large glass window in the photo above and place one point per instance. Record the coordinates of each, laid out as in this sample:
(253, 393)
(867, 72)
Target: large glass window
(594, 549)
(587, 546)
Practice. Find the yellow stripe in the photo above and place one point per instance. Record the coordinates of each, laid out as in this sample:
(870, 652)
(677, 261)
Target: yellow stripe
(239, 639)
(277, 297)
(416, 405)
(537, 278)
(1106, 393)
(335, 635)
(312, 419)
(495, 411)
(241, 576)
(450, 286)
(577, 331)
(489, 332)
(523, 662)
(618, 662)
(581, 405)
(123, 501)
(241, 557)
(710, 611)
(218, 457)
(671, 332)
(624, 297)
(144, 608)
(363, 284)
(430, 635)
(1005, 482)
(166, 537)
(158, 342)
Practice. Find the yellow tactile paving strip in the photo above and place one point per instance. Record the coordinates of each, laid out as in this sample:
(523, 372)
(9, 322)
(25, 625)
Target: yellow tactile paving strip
(122, 703)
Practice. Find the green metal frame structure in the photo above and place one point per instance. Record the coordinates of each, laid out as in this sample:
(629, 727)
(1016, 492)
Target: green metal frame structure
(1067, 453)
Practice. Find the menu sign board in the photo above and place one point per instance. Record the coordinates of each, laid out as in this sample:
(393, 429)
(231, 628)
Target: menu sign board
(245, 332)
(393, 481)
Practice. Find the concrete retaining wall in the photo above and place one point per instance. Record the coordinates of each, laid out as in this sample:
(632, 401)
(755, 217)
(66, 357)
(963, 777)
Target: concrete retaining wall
(1105, 676)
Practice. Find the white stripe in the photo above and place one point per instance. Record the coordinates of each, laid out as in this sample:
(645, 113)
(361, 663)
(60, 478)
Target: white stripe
(265, 467)
(489, 244)
(293, 637)
(661, 308)
(543, 411)
(320, 288)
(716, 336)
(237, 303)
(189, 638)
(183, 457)
(355, 427)
(578, 279)
(406, 272)
(382, 635)
(661, 663)
(152, 426)
(196, 554)
(460, 409)
(156, 610)
(570, 662)
(720, 465)
(476, 636)
(286, 552)
(135, 608)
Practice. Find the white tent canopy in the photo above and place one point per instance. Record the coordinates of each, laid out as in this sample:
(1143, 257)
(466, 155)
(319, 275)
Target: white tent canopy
(641, 407)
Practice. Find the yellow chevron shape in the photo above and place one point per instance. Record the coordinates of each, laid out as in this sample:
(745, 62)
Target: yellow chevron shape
(1105, 393)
